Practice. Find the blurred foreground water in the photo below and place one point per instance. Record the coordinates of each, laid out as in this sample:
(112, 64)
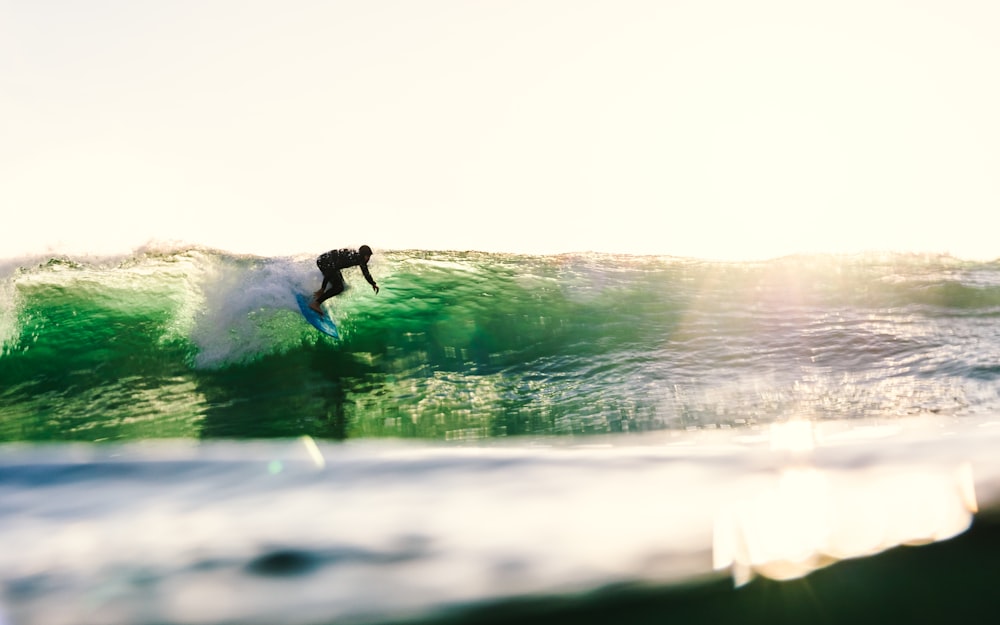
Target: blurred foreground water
(689, 526)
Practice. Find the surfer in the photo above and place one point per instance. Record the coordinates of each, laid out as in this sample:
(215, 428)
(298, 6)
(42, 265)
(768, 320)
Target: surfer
(331, 263)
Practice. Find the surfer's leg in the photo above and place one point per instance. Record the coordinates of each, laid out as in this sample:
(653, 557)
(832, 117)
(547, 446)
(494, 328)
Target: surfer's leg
(327, 268)
(336, 285)
(331, 276)
(322, 288)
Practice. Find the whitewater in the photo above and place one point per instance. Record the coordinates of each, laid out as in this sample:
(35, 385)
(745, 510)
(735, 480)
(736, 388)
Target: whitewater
(496, 437)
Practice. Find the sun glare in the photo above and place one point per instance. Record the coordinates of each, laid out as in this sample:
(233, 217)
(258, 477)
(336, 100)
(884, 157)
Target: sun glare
(809, 517)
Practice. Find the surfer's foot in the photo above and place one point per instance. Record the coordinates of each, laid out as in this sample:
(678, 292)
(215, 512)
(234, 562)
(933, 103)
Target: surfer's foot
(314, 306)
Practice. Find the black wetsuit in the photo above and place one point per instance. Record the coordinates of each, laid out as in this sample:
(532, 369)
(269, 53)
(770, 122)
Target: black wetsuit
(331, 263)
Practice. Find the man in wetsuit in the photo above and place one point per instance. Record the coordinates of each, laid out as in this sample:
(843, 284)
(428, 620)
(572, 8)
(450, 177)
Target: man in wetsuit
(331, 263)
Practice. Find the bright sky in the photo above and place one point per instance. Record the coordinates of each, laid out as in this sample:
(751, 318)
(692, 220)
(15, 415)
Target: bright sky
(726, 128)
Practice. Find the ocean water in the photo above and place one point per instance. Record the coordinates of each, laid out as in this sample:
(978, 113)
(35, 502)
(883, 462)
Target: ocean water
(497, 438)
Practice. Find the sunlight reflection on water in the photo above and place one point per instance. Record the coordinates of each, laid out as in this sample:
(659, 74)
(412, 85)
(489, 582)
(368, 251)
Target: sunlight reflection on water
(809, 517)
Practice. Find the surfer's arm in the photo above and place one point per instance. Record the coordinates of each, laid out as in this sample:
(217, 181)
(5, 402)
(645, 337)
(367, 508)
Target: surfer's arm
(368, 277)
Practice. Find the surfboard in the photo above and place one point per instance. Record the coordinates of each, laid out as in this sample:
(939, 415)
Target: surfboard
(321, 322)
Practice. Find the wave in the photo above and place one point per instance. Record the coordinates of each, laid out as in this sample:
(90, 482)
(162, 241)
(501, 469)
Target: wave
(483, 344)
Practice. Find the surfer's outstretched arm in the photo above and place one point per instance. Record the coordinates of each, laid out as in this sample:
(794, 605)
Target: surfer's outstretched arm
(368, 276)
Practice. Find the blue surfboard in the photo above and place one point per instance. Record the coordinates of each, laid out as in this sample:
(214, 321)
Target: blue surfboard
(321, 322)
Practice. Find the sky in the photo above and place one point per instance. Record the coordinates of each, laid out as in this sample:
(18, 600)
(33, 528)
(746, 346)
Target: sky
(712, 128)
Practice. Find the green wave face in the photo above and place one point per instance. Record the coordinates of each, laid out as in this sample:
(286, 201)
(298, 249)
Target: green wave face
(200, 343)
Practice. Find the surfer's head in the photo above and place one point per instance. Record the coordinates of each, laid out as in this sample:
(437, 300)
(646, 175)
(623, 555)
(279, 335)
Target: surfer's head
(365, 251)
